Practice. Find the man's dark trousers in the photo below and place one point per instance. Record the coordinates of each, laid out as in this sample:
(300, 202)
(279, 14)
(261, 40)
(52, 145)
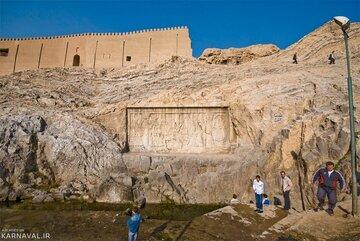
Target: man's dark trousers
(287, 200)
(259, 204)
(330, 193)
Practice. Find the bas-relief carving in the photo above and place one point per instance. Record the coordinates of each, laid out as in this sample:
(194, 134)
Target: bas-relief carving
(179, 130)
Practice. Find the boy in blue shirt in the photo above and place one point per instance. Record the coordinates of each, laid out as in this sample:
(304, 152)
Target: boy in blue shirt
(133, 223)
(266, 201)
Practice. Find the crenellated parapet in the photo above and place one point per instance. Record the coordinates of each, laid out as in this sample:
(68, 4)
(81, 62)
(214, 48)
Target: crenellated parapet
(96, 34)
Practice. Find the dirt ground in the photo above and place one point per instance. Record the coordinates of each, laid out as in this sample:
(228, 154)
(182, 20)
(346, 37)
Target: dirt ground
(84, 225)
(173, 222)
(78, 222)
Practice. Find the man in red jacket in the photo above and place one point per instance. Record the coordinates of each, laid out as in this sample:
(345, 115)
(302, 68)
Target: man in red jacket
(327, 179)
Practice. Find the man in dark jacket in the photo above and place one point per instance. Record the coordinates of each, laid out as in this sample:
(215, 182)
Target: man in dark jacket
(327, 179)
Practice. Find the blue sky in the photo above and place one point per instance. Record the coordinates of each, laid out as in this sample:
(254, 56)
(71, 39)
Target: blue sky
(220, 24)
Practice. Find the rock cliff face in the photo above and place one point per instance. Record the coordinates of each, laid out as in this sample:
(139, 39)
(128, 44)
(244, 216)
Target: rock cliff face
(65, 132)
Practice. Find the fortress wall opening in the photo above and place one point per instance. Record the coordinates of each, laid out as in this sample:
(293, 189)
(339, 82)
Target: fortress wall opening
(84, 47)
(95, 50)
(7, 62)
(179, 130)
(137, 47)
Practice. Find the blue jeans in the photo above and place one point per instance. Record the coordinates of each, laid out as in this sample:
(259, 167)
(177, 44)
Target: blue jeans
(132, 236)
(259, 204)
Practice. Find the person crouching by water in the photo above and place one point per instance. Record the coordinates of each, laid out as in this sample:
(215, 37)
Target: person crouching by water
(258, 187)
(327, 179)
(286, 185)
(234, 200)
(133, 223)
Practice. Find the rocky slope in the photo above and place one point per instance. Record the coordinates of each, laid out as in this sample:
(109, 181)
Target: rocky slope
(316, 46)
(63, 131)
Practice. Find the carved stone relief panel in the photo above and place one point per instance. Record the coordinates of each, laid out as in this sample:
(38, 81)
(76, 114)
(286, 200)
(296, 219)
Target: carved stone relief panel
(179, 130)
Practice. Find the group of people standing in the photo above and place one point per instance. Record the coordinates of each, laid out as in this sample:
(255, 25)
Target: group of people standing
(326, 179)
(258, 187)
(331, 58)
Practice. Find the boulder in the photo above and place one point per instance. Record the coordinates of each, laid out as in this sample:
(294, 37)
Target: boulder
(66, 153)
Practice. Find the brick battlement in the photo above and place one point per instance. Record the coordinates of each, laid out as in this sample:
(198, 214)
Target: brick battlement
(95, 34)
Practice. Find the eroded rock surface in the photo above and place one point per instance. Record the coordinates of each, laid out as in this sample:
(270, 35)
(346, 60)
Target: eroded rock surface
(57, 154)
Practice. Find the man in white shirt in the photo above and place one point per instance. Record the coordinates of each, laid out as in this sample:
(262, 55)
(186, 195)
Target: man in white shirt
(286, 185)
(258, 187)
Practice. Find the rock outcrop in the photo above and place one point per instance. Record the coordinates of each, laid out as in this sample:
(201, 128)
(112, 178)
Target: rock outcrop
(236, 56)
(64, 132)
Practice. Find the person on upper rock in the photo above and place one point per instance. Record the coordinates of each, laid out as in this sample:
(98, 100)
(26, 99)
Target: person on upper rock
(328, 179)
(332, 58)
(295, 61)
